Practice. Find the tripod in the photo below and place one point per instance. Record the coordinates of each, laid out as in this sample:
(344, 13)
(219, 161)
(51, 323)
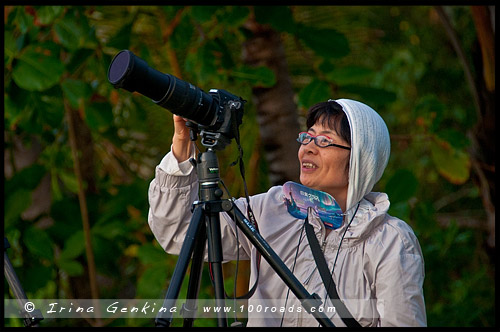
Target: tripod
(205, 227)
(30, 318)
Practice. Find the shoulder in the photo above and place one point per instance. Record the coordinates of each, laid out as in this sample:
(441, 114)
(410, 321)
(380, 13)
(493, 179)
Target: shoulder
(374, 226)
(263, 201)
(271, 213)
(393, 236)
(273, 196)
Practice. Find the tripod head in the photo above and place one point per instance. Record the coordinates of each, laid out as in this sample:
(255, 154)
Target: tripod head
(207, 168)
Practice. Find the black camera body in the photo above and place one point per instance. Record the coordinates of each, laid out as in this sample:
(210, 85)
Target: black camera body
(216, 115)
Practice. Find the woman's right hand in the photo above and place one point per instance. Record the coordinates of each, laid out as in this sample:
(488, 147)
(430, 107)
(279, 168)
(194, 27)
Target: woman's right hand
(182, 147)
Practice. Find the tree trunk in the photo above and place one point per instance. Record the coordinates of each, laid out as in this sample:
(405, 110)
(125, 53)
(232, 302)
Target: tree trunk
(482, 85)
(483, 134)
(276, 110)
(82, 148)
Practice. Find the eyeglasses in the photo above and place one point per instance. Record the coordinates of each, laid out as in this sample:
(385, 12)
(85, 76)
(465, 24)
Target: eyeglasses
(321, 140)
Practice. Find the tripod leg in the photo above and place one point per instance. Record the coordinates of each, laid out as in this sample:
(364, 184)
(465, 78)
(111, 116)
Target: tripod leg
(30, 319)
(308, 301)
(164, 318)
(215, 259)
(190, 308)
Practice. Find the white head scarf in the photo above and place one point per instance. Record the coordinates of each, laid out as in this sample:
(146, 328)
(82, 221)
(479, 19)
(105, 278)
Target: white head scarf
(370, 149)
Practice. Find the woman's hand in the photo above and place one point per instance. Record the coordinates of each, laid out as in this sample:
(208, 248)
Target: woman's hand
(182, 146)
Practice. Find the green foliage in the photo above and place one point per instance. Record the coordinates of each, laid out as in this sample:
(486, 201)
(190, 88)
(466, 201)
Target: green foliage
(37, 70)
(396, 59)
(401, 186)
(313, 93)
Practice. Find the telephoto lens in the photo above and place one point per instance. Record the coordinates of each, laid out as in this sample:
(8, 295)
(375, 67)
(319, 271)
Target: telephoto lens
(132, 73)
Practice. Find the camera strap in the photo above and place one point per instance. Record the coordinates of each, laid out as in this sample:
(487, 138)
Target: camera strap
(250, 213)
(331, 288)
(258, 259)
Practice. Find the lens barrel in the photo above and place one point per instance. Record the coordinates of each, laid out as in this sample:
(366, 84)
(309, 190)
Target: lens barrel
(129, 72)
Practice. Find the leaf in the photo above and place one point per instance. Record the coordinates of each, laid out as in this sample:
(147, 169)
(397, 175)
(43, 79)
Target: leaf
(12, 113)
(78, 58)
(152, 282)
(226, 61)
(99, 116)
(369, 94)
(74, 246)
(36, 70)
(76, 91)
(453, 164)
(150, 254)
(106, 253)
(47, 14)
(233, 16)
(349, 74)
(256, 76)
(23, 20)
(38, 243)
(182, 37)
(54, 186)
(279, 17)
(73, 31)
(114, 206)
(431, 110)
(69, 33)
(207, 69)
(27, 178)
(70, 181)
(121, 40)
(132, 250)
(10, 47)
(315, 92)
(328, 43)
(71, 267)
(110, 230)
(456, 138)
(401, 186)
(50, 110)
(400, 210)
(36, 277)
(15, 203)
(202, 14)
(67, 215)
(449, 238)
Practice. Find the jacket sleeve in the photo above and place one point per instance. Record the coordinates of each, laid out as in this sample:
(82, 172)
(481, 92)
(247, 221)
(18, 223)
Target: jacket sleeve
(399, 277)
(170, 201)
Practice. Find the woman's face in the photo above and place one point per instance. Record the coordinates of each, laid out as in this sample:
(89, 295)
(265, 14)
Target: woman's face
(325, 169)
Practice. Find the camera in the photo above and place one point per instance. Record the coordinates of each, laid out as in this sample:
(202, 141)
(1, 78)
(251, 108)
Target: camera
(217, 113)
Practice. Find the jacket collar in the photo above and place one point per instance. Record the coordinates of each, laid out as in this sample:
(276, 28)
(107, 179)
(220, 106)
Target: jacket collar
(371, 213)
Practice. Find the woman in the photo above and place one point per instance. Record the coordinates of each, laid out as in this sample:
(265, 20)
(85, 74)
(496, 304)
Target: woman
(375, 259)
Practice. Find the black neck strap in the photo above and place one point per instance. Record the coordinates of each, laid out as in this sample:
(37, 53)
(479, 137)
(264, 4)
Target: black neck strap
(331, 288)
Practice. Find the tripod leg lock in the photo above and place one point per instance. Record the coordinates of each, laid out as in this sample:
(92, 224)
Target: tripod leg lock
(189, 309)
(227, 205)
(312, 302)
(32, 318)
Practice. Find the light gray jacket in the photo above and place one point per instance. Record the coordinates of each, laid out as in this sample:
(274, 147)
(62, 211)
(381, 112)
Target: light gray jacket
(379, 271)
